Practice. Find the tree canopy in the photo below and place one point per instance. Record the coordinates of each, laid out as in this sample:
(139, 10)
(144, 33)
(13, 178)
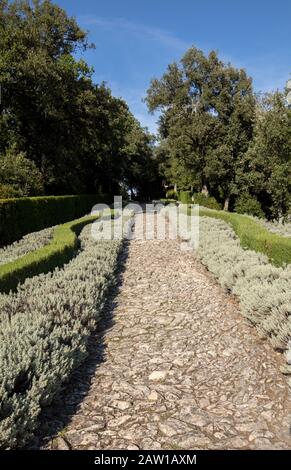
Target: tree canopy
(265, 172)
(73, 131)
(217, 137)
(62, 133)
(207, 116)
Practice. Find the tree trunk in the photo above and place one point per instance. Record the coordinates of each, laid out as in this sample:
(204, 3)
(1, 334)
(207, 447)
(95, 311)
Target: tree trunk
(226, 204)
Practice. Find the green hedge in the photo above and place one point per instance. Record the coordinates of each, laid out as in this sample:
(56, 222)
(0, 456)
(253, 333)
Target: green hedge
(171, 194)
(206, 201)
(45, 259)
(168, 201)
(185, 197)
(254, 236)
(25, 215)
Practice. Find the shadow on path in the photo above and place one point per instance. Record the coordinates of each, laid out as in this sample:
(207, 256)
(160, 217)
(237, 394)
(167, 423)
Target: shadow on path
(54, 419)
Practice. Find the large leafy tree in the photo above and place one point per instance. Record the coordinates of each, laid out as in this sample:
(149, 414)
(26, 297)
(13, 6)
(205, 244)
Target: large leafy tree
(265, 172)
(207, 115)
(73, 131)
(140, 164)
(44, 89)
(19, 177)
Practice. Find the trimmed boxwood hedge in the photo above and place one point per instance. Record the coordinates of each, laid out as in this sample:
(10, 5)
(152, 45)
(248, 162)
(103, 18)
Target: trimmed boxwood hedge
(185, 197)
(254, 236)
(21, 216)
(45, 259)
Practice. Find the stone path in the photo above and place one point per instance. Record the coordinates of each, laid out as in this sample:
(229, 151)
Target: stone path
(180, 368)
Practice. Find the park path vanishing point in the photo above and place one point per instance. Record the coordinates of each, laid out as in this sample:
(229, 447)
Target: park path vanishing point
(174, 365)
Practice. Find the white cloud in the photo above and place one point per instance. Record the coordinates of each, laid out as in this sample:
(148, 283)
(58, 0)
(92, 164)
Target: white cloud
(159, 35)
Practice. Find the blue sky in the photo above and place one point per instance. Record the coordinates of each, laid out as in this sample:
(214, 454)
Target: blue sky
(136, 39)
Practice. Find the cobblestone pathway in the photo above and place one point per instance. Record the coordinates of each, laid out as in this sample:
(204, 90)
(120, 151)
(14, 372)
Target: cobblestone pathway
(182, 369)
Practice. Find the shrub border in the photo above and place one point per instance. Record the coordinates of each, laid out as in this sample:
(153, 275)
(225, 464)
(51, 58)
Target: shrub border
(21, 216)
(58, 252)
(254, 236)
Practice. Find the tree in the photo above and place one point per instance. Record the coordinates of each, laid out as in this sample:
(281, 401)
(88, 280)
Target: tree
(207, 115)
(266, 168)
(73, 131)
(140, 166)
(19, 177)
(43, 88)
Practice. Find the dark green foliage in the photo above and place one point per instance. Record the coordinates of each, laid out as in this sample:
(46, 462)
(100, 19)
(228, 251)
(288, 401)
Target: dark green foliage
(45, 259)
(76, 135)
(265, 170)
(206, 201)
(7, 191)
(247, 204)
(254, 236)
(24, 215)
(185, 197)
(168, 201)
(217, 137)
(207, 113)
(19, 176)
(139, 166)
(172, 194)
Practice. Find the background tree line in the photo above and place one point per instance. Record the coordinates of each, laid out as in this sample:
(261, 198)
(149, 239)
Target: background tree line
(59, 132)
(217, 137)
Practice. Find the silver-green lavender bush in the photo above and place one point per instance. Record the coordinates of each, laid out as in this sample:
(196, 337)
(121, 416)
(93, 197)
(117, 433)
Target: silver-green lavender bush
(264, 291)
(44, 328)
(280, 228)
(275, 227)
(27, 244)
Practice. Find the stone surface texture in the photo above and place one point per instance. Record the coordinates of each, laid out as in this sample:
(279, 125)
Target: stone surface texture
(174, 365)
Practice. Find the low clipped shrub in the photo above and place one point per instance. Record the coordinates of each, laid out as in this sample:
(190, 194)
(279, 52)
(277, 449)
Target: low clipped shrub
(206, 201)
(168, 201)
(254, 235)
(263, 289)
(55, 254)
(25, 245)
(21, 216)
(247, 204)
(171, 194)
(185, 197)
(282, 228)
(44, 330)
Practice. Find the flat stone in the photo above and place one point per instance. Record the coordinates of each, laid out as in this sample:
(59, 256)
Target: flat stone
(263, 443)
(167, 430)
(158, 375)
(122, 405)
(153, 396)
(288, 357)
(237, 443)
(117, 422)
(94, 428)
